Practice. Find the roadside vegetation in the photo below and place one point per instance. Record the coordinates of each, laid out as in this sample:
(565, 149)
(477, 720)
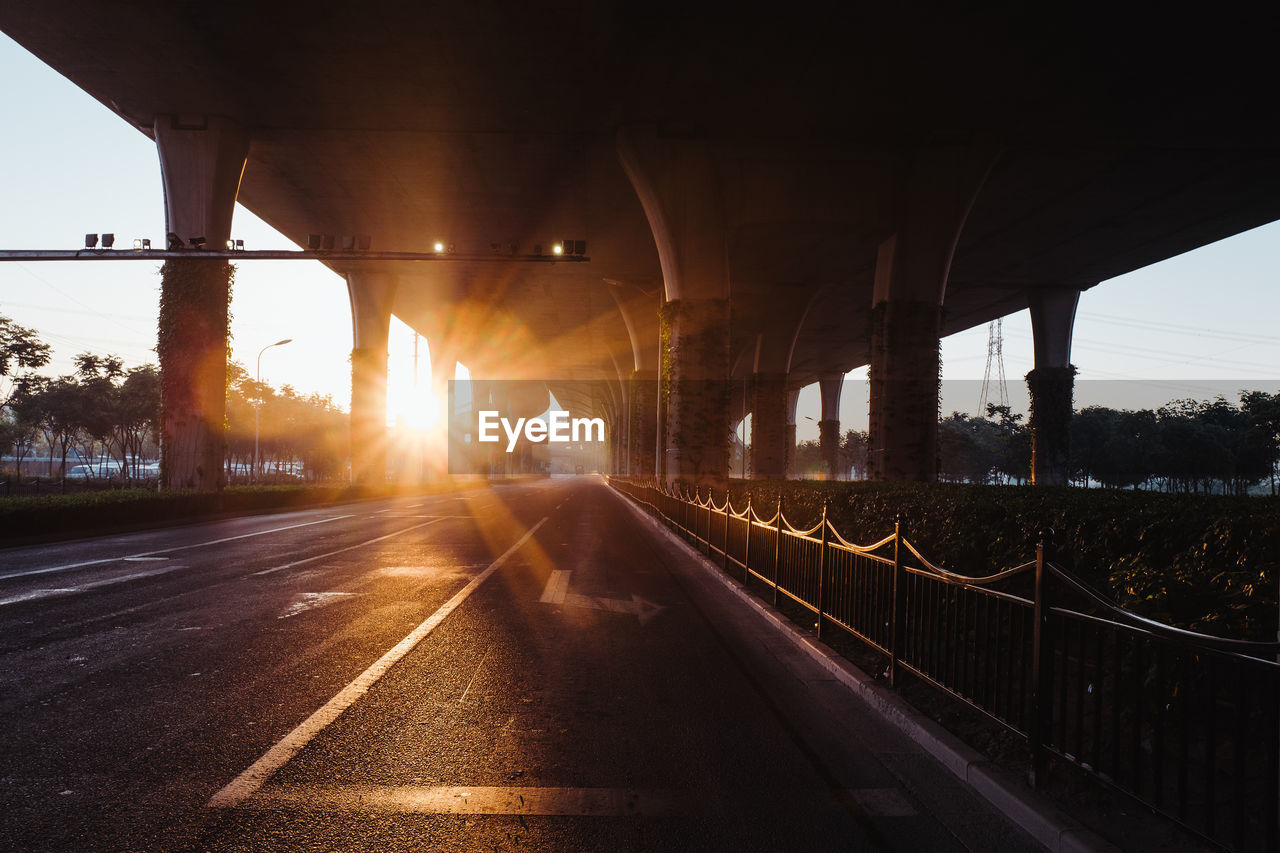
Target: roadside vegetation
(1186, 446)
(97, 426)
(1206, 562)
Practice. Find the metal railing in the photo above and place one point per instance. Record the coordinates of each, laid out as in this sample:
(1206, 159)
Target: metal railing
(1185, 722)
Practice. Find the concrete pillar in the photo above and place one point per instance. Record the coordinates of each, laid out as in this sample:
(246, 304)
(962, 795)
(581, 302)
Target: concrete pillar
(793, 400)
(1051, 383)
(444, 362)
(372, 294)
(912, 266)
(643, 404)
(696, 390)
(676, 182)
(769, 426)
(201, 161)
(830, 386)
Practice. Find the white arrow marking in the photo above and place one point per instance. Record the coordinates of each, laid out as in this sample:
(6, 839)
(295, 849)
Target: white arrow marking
(557, 592)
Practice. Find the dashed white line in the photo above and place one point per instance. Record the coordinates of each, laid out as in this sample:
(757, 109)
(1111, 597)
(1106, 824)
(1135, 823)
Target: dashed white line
(344, 550)
(261, 770)
(63, 568)
(37, 594)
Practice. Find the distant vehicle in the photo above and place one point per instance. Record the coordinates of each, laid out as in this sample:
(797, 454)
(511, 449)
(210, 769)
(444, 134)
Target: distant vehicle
(82, 472)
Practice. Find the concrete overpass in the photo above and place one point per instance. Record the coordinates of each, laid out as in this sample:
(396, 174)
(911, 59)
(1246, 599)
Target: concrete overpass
(779, 198)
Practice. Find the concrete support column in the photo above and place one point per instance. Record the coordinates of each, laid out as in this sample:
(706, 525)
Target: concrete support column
(912, 267)
(677, 184)
(1051, 383)
(371, 295)
(696, 390)
(201, 161)
(443, 364)
(904, 391)
(793, 400)
(829, 427)
(769, 426)
(643, 404)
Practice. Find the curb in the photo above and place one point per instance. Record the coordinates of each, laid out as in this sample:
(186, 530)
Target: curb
(1047, 824)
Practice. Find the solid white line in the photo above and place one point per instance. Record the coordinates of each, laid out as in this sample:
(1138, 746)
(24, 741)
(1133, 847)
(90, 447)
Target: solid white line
(50, 569)
(342, 550)
(261, 770)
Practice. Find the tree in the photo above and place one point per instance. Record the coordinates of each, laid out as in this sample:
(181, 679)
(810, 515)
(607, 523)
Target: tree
(20, 348)
(853, 453)
(1262, 412)
(137, 414)
(1012, 443)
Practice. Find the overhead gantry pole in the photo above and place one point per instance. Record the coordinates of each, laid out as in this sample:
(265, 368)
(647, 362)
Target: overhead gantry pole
(676, 182)
(201, 162)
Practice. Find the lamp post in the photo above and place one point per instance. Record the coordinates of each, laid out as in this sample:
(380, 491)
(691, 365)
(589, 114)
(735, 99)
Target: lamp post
(257, 409)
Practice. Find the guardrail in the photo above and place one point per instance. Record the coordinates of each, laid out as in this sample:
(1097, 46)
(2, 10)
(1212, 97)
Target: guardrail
(1187, 723)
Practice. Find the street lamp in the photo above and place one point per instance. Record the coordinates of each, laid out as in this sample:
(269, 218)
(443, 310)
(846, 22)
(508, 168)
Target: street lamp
(257, 409)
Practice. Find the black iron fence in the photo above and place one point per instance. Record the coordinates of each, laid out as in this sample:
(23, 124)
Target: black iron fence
(1185, 722)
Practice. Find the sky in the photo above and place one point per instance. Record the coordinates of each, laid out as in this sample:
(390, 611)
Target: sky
(1191, 326)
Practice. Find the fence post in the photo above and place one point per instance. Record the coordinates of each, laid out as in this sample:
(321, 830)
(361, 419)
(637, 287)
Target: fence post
(727, 516)
(822, 567)
(777, 550)
(711, 508)
(746, 547)
(1041, 668)
(898, 616)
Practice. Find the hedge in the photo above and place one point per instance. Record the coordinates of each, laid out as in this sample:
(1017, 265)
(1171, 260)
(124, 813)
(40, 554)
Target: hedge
(1209, 563)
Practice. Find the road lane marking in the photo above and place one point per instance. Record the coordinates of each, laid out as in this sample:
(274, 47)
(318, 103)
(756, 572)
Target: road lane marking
(64, 568)
(244, 785)
(557, 592)
(597, 802)
(311, 600)
(37, 594)
(557, 587)
(344, 550)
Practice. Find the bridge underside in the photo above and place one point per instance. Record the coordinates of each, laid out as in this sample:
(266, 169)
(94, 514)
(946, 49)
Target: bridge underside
(849, 187)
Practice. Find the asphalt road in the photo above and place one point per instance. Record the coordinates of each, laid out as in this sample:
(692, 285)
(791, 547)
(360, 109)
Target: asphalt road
(522, 667)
